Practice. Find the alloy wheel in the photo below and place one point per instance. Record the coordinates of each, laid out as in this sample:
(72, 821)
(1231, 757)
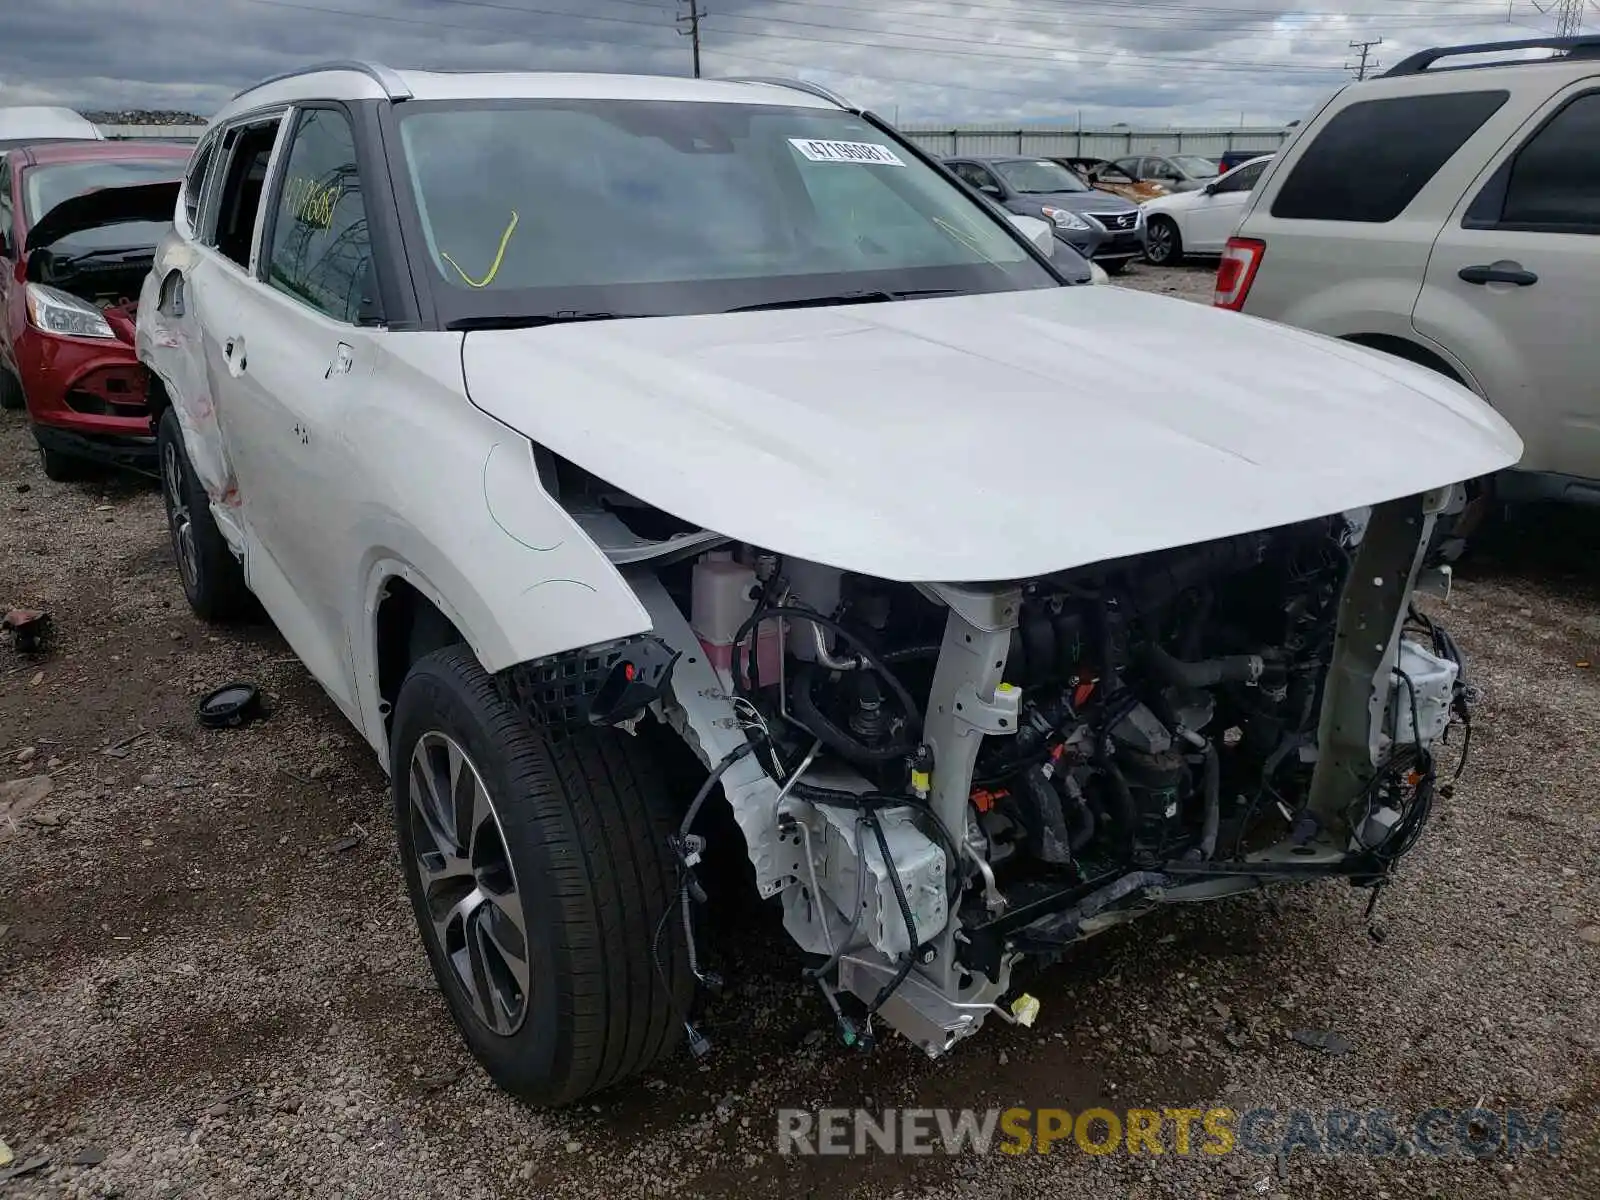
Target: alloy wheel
(468, 882)
(1160, 236)
(179, 520)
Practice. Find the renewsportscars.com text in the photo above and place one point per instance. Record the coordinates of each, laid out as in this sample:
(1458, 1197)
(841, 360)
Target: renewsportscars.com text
(1377, 1132)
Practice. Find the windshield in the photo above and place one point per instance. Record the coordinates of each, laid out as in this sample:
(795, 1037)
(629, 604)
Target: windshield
(627, 207)
(1038, 176)
(44, 187)
(1194, 166)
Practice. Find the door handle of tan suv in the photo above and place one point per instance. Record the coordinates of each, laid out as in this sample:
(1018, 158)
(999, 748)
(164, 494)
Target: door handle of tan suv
(1499, 273)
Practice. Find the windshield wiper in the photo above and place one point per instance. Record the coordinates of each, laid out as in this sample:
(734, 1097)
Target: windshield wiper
(110, 252)
(537, 320)
(865, 296)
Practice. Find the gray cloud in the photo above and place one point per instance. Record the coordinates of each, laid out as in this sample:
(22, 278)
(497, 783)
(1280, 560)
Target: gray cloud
(1163, 62)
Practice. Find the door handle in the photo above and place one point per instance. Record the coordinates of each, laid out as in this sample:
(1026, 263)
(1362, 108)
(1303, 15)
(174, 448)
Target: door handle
(233, 354)
(1499, 273)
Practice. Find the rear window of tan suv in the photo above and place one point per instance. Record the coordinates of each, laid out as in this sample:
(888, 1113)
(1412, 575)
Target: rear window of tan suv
(1371, 159)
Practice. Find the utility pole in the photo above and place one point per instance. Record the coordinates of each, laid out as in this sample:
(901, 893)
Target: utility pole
(689, 23)
(1364, 49)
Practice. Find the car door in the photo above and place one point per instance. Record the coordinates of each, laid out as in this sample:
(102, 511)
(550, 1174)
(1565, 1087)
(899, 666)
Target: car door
(306, 322)
(222, 210)
(1210, 220)
(1510, 285)
(1131, 167)
(1153, 168)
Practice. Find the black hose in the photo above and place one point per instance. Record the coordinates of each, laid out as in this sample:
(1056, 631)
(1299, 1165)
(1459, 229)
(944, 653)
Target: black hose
(842, 743)
(717, 772)
(868, 655)
(1208, 673)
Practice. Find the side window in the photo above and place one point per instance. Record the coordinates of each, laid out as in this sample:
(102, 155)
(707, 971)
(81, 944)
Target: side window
(1370, 161)
(973, 174)
(194, 181)
(247, 150)
(1241, 179)
(321, 251)
(1553, 182)
(1130, 166)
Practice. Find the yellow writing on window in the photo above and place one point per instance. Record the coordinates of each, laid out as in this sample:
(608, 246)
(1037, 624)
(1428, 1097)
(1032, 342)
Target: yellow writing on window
(313, 202)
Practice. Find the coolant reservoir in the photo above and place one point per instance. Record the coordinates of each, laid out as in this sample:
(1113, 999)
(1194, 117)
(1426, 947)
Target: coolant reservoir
(723, 597)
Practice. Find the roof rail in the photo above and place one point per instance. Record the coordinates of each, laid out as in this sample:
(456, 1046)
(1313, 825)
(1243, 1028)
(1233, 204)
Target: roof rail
(1587, 46)
(800, 85)
(391, 83)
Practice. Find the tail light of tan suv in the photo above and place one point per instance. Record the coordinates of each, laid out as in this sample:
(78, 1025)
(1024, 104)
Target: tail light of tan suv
(1237, 271)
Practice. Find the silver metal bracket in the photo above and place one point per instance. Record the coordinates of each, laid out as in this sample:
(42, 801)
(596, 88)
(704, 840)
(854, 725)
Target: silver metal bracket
(997, 716)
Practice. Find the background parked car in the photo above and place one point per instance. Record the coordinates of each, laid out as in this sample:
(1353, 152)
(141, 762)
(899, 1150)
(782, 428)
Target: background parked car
(1237, 158)
(27, 125)
(1104, 175)
(1450, 215)
(1176, 172)
(1199, 222)
(1106, 229)
(76, 240)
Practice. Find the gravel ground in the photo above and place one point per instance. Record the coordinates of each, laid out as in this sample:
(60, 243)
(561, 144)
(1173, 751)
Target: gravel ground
(210, 985)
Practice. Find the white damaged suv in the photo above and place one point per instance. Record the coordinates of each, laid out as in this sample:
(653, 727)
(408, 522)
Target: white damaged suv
(555, 419)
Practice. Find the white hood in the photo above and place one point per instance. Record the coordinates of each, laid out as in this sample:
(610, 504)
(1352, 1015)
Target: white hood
(984, 437)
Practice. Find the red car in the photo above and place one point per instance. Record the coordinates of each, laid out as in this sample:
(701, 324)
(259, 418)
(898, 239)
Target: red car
(79, 222)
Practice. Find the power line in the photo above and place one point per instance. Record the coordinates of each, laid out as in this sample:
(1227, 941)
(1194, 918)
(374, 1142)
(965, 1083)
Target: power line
(1364, 49)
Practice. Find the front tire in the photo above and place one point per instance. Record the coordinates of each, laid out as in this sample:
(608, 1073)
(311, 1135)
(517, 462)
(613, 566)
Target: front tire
(213, 580)
(1164, 244)
(61, 468)
(11, 396)
(542, 884)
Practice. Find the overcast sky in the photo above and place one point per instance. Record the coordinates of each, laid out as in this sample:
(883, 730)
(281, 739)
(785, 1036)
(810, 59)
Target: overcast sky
(1146, 62)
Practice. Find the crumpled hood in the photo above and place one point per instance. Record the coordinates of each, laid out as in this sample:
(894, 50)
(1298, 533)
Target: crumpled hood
(105, 206)
(984, 437)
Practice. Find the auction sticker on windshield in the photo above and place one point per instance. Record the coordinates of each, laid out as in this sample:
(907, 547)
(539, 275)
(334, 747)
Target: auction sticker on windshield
(850, 152)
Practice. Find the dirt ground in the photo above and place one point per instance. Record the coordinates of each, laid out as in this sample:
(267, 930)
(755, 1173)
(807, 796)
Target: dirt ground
(210, 985)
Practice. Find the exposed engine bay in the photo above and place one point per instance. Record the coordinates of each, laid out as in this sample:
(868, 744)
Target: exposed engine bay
(939, 781)
(109, 282)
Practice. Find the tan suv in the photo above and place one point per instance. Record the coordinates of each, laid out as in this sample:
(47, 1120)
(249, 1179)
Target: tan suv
(1450, 215)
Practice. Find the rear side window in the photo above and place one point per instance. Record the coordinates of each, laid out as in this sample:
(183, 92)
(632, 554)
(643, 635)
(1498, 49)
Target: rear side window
(194, 181)
(1554, 180)
(1372, 159)
(321, 252)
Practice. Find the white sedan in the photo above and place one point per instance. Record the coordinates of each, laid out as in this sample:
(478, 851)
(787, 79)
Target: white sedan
(1201, 221)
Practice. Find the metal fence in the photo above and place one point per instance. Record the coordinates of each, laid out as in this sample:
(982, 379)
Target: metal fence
(1116, 142)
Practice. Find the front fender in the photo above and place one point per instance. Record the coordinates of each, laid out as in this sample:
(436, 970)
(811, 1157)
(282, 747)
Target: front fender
(456, 509)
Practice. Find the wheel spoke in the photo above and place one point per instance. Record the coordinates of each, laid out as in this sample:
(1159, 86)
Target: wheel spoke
(430, 806)
(468, 883)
